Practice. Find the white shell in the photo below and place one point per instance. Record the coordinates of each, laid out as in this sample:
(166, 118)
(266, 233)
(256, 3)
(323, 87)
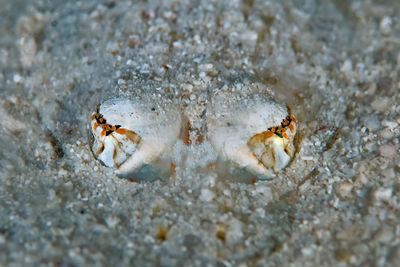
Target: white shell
(238, 131)
(146, 131)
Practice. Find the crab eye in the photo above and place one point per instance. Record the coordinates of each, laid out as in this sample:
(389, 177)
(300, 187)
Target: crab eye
(255, 134)
(130, 136)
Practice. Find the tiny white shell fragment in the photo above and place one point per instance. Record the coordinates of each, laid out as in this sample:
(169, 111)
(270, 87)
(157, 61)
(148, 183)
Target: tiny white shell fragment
(130, 133)
(255, 133)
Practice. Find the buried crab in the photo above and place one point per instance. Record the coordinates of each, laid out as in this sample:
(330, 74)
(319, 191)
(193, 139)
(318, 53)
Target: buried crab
(255, 134)
(128, 134)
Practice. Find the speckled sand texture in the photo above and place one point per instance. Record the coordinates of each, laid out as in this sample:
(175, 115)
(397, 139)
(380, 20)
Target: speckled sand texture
(335, 63)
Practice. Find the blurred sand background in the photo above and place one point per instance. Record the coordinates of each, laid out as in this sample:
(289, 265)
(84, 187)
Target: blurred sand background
(336, 64)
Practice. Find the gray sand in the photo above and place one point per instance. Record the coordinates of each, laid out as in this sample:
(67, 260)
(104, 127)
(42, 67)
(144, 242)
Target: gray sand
(335, 63)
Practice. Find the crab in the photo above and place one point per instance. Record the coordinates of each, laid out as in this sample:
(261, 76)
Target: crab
(131, 133)
(256, 134)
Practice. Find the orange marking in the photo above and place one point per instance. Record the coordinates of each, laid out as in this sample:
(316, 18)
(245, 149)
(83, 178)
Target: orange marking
(173, 167)
(321, 129)
(285, 135)
(267, 152)
(268, 134)
(162, 234)
(114, 155)
(120, 131)
(292, 118)
(273, 159)
(211, 165)
(221, 232)
(101, 149)
(131, 135)
(200, 139)
(93, 117)
(95, 125)
(260, 138)
(258, 160)
(187, 140)
(102, 133)
(291, 127)
(299, 96)
(186, 134)
(116, 140)
(288, 152)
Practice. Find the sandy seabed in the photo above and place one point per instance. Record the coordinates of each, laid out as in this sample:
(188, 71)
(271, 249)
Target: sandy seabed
(335, 63)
